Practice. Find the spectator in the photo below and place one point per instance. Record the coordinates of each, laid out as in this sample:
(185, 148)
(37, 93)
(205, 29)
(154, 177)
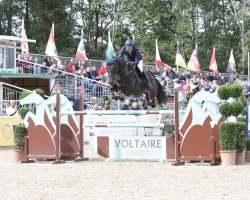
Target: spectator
(135, 106)
(142, 104)
(103, 69)
(12, 110)
(126, 105)
(94, 74)
(70, 67)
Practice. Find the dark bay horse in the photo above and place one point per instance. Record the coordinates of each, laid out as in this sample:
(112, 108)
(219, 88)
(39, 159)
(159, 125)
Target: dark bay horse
(127, 80)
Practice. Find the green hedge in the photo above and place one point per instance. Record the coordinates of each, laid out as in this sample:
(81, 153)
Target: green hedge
(19, 133)
(224, 92)
(236, 90)
(228, 136)
(236, 108)
(248, 144)
(241, 136)
(225, 109)
(23, 111)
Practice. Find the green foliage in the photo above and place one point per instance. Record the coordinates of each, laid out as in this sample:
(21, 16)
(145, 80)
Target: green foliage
(19, 133)
(53, 93)
(236, 108)
(40, 92)
(248, 144)
(23, 111)
(10, 96)
(241, 136)
(236, 90)
(185, 103)
(168, 21)
(243, 100)
(228, 136)
(241, 119)
(105, 97)
(24, 94)
(225, 109)
(224, 92)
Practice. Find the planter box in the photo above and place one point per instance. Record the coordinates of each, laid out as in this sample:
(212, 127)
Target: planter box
(240, 158)
(248, 156)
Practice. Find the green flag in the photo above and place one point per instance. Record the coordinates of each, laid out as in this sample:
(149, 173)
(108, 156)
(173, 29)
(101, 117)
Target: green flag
(110, 51)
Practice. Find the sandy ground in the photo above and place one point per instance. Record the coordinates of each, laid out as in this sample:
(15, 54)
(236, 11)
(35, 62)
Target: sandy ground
(99, 179)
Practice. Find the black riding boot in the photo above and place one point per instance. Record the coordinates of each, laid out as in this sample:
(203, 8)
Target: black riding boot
(146, 81)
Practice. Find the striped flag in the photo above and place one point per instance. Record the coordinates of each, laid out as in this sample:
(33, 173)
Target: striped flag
(24, 45)
(231, 64)
(110, 50)
(179, 61)
(193, 63)
(158, 61)
(81, 52)
(51, 46)
(213, 65)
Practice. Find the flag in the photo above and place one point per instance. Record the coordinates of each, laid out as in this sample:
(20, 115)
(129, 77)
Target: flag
(110, 51)
(81, 53)
(51, 46)
(193, 63)
(57, 88)
(213, 65)
(231, 64)
(80, 88)
(179, 61)
(24, 45)
(158, 61)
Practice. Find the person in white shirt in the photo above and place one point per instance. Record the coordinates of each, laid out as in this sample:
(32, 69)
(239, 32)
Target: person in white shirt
(12, 109)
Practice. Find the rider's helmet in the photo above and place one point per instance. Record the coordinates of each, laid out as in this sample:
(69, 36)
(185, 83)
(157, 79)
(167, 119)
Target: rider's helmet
(129, 43)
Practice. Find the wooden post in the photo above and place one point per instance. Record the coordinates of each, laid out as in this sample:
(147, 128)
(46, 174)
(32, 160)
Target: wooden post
(81, 126)
(176, 118)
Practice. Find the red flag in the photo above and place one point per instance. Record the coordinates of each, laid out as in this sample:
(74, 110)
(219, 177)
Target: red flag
(158, 61)
(213, 65)
(57, 88)
(24, 45)
(51, 46)
(80, 88)
(194, 64)
(81, 53)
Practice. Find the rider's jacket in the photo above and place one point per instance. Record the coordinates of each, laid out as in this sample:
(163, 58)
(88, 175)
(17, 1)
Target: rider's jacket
(133, 58)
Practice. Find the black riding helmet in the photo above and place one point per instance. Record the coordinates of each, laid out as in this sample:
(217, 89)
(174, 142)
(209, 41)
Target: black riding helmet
(129, 43)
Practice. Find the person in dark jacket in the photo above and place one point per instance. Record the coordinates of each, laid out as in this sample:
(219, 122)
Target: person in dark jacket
(132, 56)
(126, 105)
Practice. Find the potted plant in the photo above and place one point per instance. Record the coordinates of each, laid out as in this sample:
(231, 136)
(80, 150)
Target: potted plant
(241, 143)
(231, 139)
(20, 131)
(247, 150)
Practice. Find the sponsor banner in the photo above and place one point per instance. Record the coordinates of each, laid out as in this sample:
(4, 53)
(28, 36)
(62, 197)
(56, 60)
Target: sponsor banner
(126, 120)
(137, 148)
(121, 120)
(6, 130)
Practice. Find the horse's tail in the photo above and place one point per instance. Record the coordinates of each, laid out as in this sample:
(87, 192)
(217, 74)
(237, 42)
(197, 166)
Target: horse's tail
(161, 94)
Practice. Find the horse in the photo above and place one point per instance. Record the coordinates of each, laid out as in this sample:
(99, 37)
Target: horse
(127, 80)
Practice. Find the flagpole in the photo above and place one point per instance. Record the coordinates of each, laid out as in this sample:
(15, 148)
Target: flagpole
(21, 33)
(248, 66)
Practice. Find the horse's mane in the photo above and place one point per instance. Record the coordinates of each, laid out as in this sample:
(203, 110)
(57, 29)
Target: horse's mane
(117, 60)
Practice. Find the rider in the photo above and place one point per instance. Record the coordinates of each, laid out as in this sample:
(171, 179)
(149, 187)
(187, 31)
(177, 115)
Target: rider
(132, 57)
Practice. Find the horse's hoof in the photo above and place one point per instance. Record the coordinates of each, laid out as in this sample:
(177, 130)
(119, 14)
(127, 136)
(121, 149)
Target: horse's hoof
(153, 106)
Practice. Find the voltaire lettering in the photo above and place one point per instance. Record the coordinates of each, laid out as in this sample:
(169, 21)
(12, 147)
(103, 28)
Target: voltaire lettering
(138, 143)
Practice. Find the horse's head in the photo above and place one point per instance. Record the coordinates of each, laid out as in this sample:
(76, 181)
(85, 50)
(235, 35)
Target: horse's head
(115, 68)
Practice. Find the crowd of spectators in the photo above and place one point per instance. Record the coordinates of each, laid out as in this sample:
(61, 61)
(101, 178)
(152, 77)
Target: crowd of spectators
(95, 78)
